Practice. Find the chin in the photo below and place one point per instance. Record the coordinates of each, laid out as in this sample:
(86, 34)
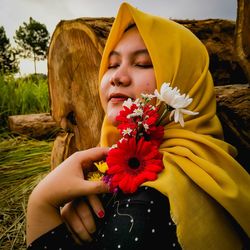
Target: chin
(111, 117)
(112, 120)
(112, 113)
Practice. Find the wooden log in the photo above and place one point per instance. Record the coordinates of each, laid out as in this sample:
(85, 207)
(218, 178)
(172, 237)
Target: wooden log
(233, 102)
(64, 145)
(242, 35)
(33, 125)
(73, 63)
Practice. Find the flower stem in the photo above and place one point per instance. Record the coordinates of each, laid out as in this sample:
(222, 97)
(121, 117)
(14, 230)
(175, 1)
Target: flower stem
(166, 110)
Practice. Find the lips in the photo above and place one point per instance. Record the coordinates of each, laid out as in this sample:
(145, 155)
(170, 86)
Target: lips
(117, 97)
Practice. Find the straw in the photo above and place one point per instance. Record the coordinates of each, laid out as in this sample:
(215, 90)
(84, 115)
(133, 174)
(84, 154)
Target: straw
(23, 162)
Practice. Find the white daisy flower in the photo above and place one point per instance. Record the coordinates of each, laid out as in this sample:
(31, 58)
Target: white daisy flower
(178, 102)
(136, 113)
(147, 97)
(146, 127)
(127, 131)
(128, 103)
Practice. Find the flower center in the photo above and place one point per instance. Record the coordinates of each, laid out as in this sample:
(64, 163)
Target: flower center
(133, 162)
(146, 136)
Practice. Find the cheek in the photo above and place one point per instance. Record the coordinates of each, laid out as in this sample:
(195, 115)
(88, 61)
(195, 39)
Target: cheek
(103, 90)
(146, 88)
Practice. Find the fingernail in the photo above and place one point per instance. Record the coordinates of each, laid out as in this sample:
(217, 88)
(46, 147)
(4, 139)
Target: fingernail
(100, 214)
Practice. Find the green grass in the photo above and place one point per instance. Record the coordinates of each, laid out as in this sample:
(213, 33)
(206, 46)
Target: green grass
(23, 162)
(22, 96)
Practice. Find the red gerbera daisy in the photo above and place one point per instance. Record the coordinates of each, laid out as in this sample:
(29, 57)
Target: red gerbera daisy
(132, 163)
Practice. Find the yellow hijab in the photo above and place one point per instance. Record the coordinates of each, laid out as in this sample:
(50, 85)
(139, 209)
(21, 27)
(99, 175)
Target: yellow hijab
(203, 182)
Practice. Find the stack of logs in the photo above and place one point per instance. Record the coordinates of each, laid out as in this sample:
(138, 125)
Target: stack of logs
(73, 61)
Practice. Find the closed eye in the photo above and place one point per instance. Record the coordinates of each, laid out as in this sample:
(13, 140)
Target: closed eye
(144, 66)
(113, 66)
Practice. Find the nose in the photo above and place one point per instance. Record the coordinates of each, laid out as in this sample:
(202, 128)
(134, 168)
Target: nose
(120, 77)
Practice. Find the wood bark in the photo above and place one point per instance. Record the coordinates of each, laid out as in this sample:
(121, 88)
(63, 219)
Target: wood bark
(233, 102)
(73, 63)
(242, 35)
(33, 125)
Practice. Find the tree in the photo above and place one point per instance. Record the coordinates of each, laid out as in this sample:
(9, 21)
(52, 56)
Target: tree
(32, 39)
(8, 60)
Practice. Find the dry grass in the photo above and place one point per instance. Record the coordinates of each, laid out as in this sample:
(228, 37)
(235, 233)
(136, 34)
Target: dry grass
(23, 162)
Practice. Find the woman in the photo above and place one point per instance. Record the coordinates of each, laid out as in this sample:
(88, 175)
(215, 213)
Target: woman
(206, 188)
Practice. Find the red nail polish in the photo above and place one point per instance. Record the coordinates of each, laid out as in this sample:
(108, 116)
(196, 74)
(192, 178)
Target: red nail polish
(100, 214)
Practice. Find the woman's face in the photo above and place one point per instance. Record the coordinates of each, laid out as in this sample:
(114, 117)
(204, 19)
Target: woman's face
(130, 73)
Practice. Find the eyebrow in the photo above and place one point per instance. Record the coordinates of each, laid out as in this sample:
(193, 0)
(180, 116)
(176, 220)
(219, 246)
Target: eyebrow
(135, 53)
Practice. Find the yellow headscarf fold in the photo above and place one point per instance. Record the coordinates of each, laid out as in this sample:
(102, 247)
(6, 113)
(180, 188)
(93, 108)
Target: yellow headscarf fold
(203, 182)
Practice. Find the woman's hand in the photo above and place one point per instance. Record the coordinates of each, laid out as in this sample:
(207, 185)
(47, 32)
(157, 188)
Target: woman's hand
(79, 217)
(64, 184)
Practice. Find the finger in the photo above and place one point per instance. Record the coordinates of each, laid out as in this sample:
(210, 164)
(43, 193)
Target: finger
(66, 213)
(74, 236)
(89, 156)
(75, 224)
(96, 205)
(84, 212)
(85, 187)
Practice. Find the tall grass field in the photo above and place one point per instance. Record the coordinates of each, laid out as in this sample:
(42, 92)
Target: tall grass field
(23, 161)
(25, 95)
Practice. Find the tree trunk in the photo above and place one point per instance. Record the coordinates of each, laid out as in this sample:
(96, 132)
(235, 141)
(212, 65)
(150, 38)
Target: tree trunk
(34, 60)
(33, 125)
(242, 35)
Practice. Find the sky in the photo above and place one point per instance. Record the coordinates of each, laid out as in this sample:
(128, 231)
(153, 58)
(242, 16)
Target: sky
(50, 12)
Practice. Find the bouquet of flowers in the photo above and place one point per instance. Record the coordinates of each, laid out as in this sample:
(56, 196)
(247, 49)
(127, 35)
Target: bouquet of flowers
(136, 158)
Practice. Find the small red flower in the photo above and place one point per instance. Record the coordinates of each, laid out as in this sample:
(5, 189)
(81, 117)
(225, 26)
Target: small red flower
(123, 115)
(132, 163)
(155, 135)
(144, 125)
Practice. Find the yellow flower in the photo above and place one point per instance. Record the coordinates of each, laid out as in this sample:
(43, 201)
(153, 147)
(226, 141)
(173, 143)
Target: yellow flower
(94, 176)
(101, 166)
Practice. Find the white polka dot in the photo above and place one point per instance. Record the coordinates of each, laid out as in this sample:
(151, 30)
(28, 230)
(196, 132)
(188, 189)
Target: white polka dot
(102, 235)
(153, 230)
(60, 248)
(173, 244)
(149, 210)
(114, 215)
(146, 188)
(116, 229)
(127, 205)
(136, 238)
(169, 223)
(52, 232)
(119, 246)
(66, 236)
(131, 220)
(45, 247)
(128, 200)
(151, 202)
